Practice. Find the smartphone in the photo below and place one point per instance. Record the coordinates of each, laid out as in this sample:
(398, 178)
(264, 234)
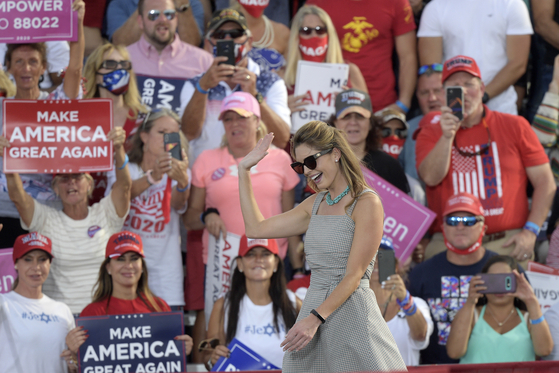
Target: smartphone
(226, 48)
(386, 264)
(498, 283)
(172, 143)
(455, 101)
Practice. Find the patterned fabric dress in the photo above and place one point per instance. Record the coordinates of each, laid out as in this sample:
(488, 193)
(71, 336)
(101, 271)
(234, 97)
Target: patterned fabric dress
(355, 337)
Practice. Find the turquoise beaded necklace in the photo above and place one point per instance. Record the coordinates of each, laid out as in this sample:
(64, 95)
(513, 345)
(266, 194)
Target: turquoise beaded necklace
(331, 202)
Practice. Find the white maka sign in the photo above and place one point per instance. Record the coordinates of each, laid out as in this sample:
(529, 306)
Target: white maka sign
(318, 82)
(219, 269)
(546, 288)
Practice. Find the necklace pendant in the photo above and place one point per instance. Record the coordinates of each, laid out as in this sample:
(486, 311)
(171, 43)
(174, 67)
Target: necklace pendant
(331, 202)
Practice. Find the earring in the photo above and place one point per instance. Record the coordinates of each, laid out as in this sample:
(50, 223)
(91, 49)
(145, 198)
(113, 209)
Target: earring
(275, 270)
(109, 273)
(15, 266)
(337, 160)
(240, 270)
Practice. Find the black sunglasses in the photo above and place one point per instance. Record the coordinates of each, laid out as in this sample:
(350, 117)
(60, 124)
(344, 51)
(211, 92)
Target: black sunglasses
(113, 65)
(401, 133)
(468, 221)
(170, 14)
(208, 344)
(310, 162)
(222, 34)
(319, 30)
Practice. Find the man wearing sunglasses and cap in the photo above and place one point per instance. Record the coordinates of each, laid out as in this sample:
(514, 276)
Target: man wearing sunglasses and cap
(162, 61)
(201, 97)
(489, 154)
(443, 280)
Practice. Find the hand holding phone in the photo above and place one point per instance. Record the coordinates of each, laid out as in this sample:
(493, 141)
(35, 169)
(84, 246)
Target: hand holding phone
(226, 48)
(455, 101)
(386, 264)
(172, 143)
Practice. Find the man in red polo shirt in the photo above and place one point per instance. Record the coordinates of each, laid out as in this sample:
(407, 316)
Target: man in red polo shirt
(490, 155)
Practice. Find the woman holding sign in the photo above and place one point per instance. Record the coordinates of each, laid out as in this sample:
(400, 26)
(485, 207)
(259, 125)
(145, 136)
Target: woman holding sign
(33, 327)
(27, 63)
(258, 300)
(313, 38)
(122, 287)
(339, 328)
(79, 232)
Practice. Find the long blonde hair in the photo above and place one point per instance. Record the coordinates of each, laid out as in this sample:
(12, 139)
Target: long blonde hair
(132, 97)
(333, 54)
(103, 289)
(320, 136)
(6, 84)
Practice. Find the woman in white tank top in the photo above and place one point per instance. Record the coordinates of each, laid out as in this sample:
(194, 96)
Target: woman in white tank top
(258, 310)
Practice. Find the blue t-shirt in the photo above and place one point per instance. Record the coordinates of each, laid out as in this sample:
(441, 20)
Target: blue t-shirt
(444, 286)
(119, 11)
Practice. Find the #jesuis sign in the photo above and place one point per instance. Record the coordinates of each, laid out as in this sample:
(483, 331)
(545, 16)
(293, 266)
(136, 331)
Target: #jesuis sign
(57, 136)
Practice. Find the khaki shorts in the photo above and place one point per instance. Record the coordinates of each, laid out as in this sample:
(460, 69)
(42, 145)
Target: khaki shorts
(436, 245)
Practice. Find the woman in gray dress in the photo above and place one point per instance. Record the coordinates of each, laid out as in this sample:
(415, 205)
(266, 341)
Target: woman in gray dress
(339, 328)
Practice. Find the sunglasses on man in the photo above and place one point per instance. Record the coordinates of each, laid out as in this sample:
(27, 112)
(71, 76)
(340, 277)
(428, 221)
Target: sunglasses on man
(401, 133)
(319, 30)
(434, 67)
(114, 65)
(154, 14)
(233, 33)
(310, 162)
(468, 221)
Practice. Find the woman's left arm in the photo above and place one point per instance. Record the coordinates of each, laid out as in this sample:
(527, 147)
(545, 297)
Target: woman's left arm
(73, 75)
(368, 217)
(541, 336)
(178, 172)
(120, 194)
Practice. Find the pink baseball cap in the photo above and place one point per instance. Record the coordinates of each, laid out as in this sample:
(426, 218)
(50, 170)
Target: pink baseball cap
(29, 242)
(241, 103)
(464, 202)
(248, 243)
(460, 63)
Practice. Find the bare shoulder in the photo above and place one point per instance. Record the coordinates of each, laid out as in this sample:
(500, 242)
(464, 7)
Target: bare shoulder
(280, 29)
(368, 204)
(308, 203)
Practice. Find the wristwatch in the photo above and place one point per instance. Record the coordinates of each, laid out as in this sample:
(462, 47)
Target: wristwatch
(259, 97)
(183, 8)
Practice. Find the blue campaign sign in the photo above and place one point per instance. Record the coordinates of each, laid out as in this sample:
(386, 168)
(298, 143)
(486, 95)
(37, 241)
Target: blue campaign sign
(133, 343)
(160, 92)
(242, 358)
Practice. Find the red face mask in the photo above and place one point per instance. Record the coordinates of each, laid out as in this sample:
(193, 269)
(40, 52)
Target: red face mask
(393, 145)
(254, 7)
(475, 247)
(313, 49)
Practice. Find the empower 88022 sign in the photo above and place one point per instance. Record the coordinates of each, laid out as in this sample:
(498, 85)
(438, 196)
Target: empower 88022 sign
(33, 21)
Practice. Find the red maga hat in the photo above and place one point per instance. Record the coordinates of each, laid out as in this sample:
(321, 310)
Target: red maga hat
(248, 243)
(31, 241)
(460, 63)
(464, 202)
(122, 242)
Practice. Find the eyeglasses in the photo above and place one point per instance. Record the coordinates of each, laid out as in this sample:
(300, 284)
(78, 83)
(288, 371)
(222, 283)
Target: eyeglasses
(70, 177)
(146, 118)
(233, 33)
(114, 65)
(434, 67)
(482, 148)
(319, 30)
(401, 133)
(154, 14)
(310, 162)
(468, 221)
(208, 344)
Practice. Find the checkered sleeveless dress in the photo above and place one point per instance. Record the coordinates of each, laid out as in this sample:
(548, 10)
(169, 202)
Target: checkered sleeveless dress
(355, 337)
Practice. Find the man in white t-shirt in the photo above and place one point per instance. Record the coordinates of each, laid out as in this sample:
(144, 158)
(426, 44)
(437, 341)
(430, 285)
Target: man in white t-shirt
(496, 33)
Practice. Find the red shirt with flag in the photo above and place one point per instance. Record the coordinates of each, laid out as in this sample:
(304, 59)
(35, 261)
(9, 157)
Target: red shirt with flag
(366, 29)
(497, 177)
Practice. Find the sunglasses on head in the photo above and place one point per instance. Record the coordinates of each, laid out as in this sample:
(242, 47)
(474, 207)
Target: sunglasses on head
(113, 65)
(208, 344)
(170, 14)
(319, 30)
(434, 67)
(468, 221)
(401, 133)
(222, 34)
(310, 162)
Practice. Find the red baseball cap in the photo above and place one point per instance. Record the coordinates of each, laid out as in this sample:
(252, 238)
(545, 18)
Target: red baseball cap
(464, 202)
(31, 241)
(122, 242)
(248, 243)
(460, 63)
